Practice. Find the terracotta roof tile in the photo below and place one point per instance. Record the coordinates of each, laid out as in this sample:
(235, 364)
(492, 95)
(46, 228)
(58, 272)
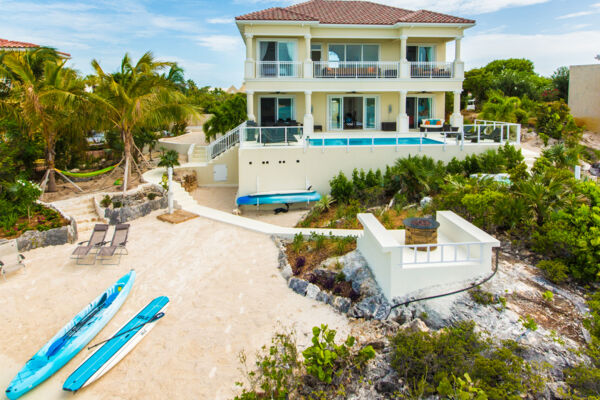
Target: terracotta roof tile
(14, 44)
(351, 12)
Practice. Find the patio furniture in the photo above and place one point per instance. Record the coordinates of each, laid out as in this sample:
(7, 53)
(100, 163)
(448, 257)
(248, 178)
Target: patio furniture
(493, 135)
(318, 128)
(431, 125)
(117, 246)
(421, 231)
(388, 126)
(10, 259)
(96, 240)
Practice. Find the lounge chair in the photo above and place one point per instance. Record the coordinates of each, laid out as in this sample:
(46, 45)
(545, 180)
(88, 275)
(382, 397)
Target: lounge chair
(117, 246)
(90, 247)
(494, 135)
(10, 259)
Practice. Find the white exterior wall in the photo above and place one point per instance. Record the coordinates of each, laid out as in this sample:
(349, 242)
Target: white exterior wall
(384, 255)
(292, 168)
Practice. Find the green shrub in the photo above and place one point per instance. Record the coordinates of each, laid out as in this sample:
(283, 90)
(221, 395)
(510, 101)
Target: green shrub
(106, 201)
(529, 323)
(151, 196)
(297, 243)
(341, 188)
(555, 120)
(325, 359)
(424, 360)
(555, 270)
(117, 204)
(548, 296)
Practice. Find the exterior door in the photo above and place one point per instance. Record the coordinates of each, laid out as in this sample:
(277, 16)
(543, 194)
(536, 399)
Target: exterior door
(335, 113)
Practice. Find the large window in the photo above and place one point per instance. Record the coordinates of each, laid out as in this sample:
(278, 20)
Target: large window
(420, 53)
(418, 109)
(353, 52)
(274, 109)
(276, 58)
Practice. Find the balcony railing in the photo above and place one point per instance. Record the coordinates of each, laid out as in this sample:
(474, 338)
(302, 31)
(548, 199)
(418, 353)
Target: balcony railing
(423, 69)
(271, 135)
(356, 69)
(279, 69)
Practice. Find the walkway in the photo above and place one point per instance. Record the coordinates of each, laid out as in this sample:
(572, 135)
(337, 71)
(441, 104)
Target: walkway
(187, 202)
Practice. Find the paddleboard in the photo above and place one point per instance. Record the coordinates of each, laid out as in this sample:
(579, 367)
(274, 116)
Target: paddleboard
(117, 346)
(279, 198)
(71, 338)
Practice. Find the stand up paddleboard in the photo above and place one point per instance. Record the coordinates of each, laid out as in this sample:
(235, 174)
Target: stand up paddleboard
(117, 346)
(290, 197)
(71, 338)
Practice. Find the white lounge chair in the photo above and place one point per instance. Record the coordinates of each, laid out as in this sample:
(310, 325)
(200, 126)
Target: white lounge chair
(10, 259)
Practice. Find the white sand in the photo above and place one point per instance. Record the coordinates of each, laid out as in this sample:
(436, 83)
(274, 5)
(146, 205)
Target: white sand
(226, 296)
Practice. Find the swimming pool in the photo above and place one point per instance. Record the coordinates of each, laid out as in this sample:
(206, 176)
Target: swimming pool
(368, 141)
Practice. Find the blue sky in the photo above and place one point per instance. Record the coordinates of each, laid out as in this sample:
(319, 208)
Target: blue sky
(202, 36)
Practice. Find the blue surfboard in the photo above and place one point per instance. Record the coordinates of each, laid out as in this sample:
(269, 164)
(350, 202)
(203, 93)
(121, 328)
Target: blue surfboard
(117, 346)
(71, 338)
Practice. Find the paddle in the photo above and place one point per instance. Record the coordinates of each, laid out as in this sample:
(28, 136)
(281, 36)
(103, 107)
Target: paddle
(61, 341)
(156, 316)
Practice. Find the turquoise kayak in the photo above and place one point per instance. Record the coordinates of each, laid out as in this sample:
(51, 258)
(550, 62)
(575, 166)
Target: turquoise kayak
(117, 346)
(279, 198)
(71, 338)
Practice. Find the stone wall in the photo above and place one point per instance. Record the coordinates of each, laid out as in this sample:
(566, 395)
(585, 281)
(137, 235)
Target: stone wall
(127, 213)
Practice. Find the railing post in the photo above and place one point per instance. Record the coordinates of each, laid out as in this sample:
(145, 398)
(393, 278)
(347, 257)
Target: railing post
(260, 134)
(372, 143)
(348, 144)
(420, 141)
(285, 133)
(518, 133)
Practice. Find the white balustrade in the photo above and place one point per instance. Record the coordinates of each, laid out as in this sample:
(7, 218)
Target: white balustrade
(279, 69)
(431, 69)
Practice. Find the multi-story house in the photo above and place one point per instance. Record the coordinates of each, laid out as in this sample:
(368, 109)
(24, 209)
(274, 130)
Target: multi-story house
(354, 66)
(337, 85)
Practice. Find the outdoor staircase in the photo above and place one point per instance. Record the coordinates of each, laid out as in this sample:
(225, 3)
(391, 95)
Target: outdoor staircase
(199, 155)
(181, 198)
(83, 211)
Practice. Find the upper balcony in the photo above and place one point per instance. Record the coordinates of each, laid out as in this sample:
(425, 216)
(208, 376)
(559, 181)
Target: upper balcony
(301, 58)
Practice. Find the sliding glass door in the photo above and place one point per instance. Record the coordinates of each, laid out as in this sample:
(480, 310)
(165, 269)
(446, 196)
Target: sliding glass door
(418, 109)
(276, 109)
(352, 112)
(277, 58)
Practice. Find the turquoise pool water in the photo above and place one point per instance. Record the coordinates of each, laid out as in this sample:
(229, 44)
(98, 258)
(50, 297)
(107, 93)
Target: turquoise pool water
(368, 141)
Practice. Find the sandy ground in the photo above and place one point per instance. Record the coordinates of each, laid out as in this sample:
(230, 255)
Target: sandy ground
(223, 198)
(226, 296)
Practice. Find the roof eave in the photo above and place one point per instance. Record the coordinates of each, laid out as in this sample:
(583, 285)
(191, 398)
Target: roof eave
(364, 26)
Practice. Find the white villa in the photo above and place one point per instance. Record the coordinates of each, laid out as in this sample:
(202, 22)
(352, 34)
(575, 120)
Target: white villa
(337, 85)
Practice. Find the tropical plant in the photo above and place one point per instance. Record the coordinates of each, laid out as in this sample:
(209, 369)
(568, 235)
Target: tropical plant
(414, 176)
(169, 159)
(555, 120)
(501, 108)
(560, 80)
(46, 98)
(341, 188)
(542, 195)
(138, 95)
(324, 203)
(226, 116)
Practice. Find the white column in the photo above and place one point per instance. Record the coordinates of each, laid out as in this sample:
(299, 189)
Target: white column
(402, 120)
(308, 121)
(250, 105)
(456, 119)
(459, 66)
(404, 69)
(308, 69)
(249, 65)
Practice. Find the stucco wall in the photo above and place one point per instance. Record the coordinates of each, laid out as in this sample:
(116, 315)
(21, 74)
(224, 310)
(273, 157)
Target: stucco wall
(291, 168)
(584, 95)
(205, 173)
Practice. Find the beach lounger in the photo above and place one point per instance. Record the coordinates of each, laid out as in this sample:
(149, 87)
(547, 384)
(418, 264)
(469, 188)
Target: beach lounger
(10, 259)
(117, 246)
(89, 248)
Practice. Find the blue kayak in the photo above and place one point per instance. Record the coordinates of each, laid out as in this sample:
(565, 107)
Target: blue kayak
(71, 338)
(117, 346)
(279, 198)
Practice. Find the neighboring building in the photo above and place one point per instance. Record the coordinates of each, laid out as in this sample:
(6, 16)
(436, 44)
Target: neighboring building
(584, 95)
(12, 45)
(337, 85)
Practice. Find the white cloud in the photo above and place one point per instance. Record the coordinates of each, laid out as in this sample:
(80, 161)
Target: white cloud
(567, 49)
(220, 20)
(576, 14)
(220, 43)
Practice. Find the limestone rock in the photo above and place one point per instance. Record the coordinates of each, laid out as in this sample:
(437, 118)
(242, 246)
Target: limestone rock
(374, 307)
(298, 285)
(312, 291)
(341, 304)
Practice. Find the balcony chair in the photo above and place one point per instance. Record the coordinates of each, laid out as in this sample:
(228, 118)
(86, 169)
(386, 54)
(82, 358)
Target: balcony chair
(90, 247)
(117, 246)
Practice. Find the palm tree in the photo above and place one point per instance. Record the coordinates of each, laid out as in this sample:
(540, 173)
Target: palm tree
(137, 95)
(542, 195)
(46, 98)
(226, 116)
(501, 108)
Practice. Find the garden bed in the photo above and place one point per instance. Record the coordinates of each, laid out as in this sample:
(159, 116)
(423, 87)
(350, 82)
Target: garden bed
(343, 216)
(118, 209)
(42, 219)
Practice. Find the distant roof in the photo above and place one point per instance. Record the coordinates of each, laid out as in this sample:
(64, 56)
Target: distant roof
(351, 12)
(17, 45)
(13, 44)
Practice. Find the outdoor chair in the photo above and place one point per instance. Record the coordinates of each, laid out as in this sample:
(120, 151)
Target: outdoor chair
(90, 247)
(117, 246)
(494, 135)
(10, 259)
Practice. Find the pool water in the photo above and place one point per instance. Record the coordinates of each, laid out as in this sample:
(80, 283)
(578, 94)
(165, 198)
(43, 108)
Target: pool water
(368, 141)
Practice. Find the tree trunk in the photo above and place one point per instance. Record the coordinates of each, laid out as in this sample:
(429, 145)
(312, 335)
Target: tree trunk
(127, 150)
(50, 165)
